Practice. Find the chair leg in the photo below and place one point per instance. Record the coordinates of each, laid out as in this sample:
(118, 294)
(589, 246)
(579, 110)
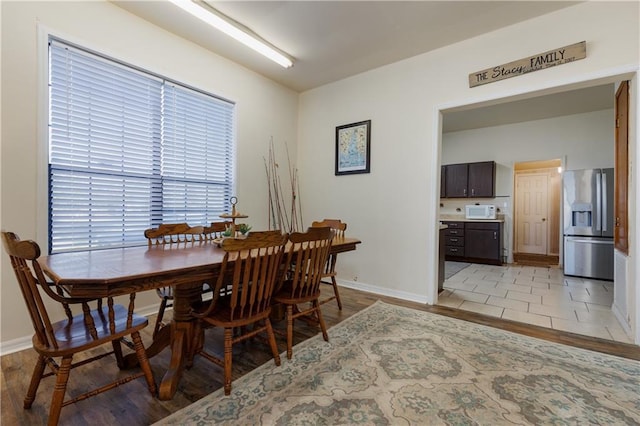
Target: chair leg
(335, 291)
(289, 331)
(117, 350)
(323, 326)
(272, 341)
(163, 306)
(38, 370)
(144, 362)
(60, 388)
(228, 353)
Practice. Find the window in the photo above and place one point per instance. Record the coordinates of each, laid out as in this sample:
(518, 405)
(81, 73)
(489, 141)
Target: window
(129, 150)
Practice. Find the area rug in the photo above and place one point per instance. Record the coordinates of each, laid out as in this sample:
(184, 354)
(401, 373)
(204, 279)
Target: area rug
(389, 365)
(451, 268)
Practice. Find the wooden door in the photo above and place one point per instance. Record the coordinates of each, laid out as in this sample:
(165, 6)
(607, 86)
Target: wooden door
(531, 213)
(621, 182)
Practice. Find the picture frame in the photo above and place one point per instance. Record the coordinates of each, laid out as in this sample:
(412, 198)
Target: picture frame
(353, 148)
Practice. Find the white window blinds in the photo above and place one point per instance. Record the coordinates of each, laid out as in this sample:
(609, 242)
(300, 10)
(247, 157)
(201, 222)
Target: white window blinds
(129, 150)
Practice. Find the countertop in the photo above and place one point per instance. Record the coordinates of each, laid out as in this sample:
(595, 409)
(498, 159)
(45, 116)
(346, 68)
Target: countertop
(461, 218)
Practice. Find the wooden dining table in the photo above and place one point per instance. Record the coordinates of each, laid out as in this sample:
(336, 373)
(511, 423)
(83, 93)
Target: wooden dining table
(125, 271)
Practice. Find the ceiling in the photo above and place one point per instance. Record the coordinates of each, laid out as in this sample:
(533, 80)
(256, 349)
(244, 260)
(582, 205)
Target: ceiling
(333, 40)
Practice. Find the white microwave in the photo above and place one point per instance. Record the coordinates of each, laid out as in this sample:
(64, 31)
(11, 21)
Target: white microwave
(480, 211)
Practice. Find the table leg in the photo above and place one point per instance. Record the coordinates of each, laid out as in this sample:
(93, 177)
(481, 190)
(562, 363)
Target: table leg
(162, 340)
(184, 338)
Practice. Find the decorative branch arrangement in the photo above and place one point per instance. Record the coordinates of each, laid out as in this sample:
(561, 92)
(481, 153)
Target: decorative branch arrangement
(284, 214)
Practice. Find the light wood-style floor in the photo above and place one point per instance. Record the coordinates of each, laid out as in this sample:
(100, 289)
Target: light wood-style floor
(131, 403)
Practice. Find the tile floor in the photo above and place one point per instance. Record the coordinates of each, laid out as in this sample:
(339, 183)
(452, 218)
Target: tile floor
(536, 295)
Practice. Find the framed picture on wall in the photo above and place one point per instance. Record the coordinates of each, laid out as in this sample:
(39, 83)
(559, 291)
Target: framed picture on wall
(353, 148)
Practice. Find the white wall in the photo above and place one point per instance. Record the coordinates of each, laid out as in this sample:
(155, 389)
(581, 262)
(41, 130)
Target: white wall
(394, 208)
(581, 141)
(264, 109)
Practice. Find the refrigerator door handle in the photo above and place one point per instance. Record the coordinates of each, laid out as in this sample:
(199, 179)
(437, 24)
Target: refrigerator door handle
(598, 201)
(588, 241)
(603, 202)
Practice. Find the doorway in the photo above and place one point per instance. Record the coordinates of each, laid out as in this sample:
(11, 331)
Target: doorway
(453, 120)
(536, 215)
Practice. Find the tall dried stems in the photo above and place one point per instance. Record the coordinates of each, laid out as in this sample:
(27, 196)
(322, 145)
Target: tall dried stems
(284, 214)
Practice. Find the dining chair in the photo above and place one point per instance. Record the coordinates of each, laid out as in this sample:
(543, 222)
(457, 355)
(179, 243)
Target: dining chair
(307, 257)
(253, 268)
(175, 234)
(77, 333)
(329, 274)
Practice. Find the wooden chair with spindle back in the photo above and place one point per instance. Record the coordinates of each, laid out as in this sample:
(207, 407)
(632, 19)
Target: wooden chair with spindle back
(175, 234)
(329, 274)
(307, 257)
(252, 267)
(77, 333)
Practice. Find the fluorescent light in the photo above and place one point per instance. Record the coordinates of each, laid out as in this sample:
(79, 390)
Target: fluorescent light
(233, 29)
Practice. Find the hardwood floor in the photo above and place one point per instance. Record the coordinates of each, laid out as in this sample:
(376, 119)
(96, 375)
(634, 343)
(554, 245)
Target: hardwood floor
(131, 403)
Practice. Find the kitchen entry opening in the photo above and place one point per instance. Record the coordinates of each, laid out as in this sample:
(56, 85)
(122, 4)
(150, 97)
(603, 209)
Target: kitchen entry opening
(536, 215)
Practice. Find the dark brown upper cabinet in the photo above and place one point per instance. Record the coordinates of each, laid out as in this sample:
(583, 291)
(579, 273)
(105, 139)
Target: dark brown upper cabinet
(469, 180)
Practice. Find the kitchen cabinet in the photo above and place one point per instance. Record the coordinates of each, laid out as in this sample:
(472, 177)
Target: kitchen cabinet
(468, 180)
(474, 241)
(483, 241)
(454, 240)
(482, 178)
(456, 180)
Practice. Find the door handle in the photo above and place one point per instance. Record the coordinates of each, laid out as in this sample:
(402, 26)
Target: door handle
(603, 202)
(544, 219)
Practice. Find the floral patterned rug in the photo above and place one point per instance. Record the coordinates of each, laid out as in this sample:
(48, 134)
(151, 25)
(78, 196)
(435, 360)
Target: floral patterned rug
(389, 365)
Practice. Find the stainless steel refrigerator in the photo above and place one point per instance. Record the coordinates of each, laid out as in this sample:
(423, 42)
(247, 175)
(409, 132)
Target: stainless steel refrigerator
(588, 223)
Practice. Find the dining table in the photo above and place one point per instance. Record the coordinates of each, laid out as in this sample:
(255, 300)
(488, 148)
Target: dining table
(129, 270)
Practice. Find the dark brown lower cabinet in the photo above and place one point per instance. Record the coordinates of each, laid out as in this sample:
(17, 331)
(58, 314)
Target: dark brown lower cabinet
(477, 242)
(454, 240)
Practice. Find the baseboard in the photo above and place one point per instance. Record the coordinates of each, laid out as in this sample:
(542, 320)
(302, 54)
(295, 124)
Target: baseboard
(15, 345)
(382, 291)
(535, 259)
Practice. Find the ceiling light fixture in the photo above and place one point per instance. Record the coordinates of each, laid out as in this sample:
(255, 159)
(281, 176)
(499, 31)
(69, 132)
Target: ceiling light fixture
(234, 29)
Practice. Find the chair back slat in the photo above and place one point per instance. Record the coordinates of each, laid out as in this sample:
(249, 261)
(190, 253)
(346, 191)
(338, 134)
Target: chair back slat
(339, 228)
(337, 225)
(177, 233)
(253, 266)
(307, 260)
(215, 230)
(174, 233)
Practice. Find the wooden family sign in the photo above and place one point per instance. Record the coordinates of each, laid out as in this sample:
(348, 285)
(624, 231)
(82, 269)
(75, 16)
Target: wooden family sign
(538, 62)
